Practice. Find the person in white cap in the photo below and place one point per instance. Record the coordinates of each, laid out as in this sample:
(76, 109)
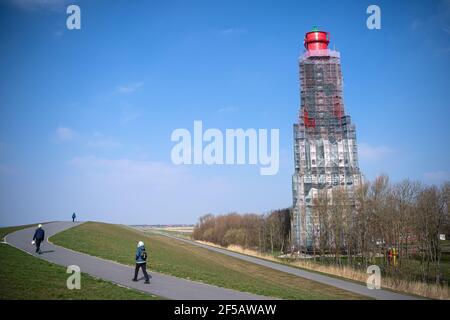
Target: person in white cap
(39, 236)
(141, 262)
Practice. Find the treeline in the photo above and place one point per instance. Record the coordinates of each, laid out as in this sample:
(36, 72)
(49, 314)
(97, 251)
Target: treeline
(406, 216)
(268, 233)
(355, 229)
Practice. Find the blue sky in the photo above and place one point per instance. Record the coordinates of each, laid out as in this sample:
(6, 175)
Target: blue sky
(86, 115)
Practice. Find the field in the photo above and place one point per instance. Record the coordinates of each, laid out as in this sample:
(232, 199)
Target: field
(187, 261)
(25, 277)
(182, 232)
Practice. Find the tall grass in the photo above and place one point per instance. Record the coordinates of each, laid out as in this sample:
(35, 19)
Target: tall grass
(427, 290)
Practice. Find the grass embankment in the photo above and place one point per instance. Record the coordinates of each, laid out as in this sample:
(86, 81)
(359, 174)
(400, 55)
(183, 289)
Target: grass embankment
(188, 261)
(24, 277)
(428, 290)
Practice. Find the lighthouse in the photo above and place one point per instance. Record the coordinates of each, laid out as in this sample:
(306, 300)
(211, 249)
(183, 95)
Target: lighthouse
(325, 148)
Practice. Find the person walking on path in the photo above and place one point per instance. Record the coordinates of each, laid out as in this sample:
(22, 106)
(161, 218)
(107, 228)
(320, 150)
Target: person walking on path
(39, 236)
(73, 217)
(141, 262)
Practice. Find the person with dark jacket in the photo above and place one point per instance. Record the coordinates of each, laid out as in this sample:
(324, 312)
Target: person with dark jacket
(73, 217)
(39, 236)
(141, 262)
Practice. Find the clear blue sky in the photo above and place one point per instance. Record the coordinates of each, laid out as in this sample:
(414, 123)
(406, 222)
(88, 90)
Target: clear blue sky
(86, 115)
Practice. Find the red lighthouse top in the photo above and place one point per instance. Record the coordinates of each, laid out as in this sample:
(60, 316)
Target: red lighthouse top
(317, 40)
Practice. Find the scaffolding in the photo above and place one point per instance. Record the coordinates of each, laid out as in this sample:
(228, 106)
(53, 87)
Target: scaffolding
(325, 147)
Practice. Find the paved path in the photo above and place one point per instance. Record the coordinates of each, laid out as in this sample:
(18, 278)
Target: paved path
(161, 285)
(342, 284)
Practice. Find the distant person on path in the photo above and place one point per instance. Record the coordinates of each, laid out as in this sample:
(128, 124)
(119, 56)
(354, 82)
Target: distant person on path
(39, 236)
(141, 262)
(73, 217)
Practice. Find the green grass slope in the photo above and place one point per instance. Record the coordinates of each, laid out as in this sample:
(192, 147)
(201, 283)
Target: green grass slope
(184, 260)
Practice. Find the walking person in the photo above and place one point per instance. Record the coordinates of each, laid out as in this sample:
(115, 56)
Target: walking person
(141, 262)
(39, 236)
(73, 217)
